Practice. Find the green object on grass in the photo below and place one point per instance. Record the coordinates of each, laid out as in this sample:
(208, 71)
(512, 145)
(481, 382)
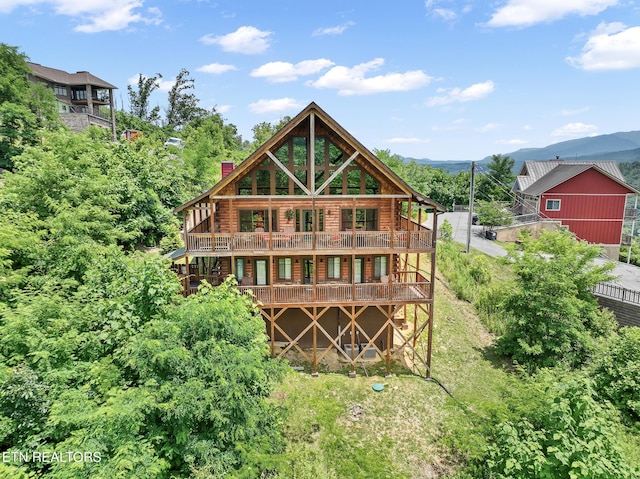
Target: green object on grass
(377, 387)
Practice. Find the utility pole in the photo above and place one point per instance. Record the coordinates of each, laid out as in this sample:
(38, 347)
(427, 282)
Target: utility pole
(470, 220)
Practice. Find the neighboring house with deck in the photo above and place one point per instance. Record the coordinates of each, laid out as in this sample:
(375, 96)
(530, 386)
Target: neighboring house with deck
(590, 198)
(328, 240)
(83, 99)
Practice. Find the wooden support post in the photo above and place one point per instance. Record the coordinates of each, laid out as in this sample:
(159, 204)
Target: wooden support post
(388, 355)
(315, 342)
(212, 224)
(352, 373)
(272, 333)
(429, 340)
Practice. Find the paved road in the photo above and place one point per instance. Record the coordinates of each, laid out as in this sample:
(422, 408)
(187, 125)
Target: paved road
(628, 276)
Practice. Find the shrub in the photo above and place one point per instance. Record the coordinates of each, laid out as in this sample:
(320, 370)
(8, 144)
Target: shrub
(572, 436)
(617, 373)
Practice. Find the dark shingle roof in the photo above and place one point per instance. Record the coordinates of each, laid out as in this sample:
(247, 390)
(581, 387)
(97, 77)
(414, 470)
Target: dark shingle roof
(59, 76)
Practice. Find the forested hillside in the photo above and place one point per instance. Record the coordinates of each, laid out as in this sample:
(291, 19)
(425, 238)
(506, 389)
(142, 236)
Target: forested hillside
(631, 172)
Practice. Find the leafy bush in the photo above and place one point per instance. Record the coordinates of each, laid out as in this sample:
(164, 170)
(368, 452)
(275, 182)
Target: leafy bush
(617, 372)
(570, 436)
(556, 318)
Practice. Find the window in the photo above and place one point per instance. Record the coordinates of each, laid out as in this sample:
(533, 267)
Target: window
(78, 94)
(239, 268)
(300, 151)
(553, 205)
(284, 268)
(263, 182)
(60, 90)
(379, 266)
(244, 186)
(250, 220)
(333, 267)
(366, 219)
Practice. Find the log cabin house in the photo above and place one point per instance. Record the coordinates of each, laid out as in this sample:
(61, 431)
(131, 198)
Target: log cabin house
(328, 240)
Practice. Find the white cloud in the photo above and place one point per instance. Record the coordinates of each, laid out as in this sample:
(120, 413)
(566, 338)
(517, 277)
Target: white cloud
(458, 95)
(223, 108)
(353, 81)
(445, 14)
(488, 127)
(337, 30)
(278, 72)
(279, 105)
(524, 13)
(248, 40)
(406, 141)
(611, 46)
(576, 130)
(215, 68)
(97, 15)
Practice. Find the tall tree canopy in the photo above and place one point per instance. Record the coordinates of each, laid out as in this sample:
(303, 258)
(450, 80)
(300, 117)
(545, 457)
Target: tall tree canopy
(139, 99)
(556, 318)
(496, 183)
(183, 103)
(25, 107)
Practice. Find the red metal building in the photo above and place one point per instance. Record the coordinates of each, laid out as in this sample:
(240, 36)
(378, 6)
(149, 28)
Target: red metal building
(589, 198)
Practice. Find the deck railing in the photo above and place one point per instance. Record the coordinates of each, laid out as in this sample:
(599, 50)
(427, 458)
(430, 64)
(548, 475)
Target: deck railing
(339, 240)
(339, 293)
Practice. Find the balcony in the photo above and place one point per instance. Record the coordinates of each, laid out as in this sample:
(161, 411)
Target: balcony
(367, 293)
(228, 243)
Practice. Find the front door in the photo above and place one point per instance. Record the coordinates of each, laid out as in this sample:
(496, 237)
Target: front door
(358, 270)
(261, 272)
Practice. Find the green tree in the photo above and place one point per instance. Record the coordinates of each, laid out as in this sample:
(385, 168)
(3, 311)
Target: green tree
(183, 104)
(496, 184)
(139, 99)
(492, 213)
(209, 141)
(556, 318)
(25, 107)
(265, 130)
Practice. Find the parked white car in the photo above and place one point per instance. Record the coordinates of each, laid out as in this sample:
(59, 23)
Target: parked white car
(177, 142)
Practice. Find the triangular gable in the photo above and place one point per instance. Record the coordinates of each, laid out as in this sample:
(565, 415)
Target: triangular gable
(354, 153)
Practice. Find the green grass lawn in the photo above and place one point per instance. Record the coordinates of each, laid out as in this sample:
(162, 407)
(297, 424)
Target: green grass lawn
(340, 427)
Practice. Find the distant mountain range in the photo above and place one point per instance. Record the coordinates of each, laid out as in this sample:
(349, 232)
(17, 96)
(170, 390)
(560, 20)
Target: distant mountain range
(622, 147)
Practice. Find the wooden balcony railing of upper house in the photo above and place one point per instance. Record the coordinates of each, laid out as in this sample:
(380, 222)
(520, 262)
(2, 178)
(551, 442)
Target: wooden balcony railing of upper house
(415, 289)
(419, 240)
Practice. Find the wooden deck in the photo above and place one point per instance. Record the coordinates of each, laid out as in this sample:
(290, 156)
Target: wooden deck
(222, 243)
(339, 293)
(366, 293)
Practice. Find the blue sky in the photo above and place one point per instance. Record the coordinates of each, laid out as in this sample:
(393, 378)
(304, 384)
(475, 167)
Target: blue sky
(438, 79)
